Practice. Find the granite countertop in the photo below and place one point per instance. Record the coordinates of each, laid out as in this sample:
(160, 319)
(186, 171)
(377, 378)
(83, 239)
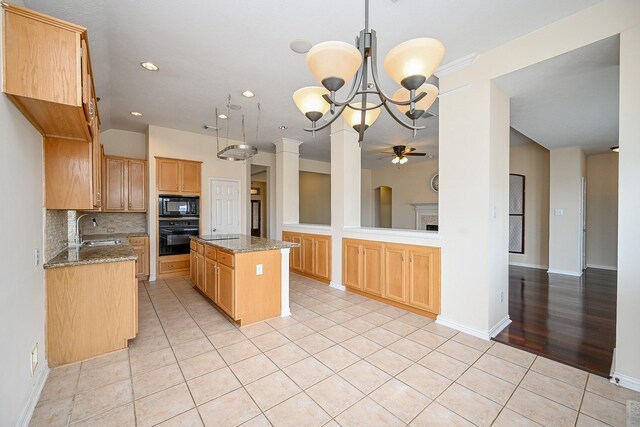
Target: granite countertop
(92, 255)
(237, 243)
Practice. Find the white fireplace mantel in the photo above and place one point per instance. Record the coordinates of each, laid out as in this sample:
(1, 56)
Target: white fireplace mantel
(426, 213)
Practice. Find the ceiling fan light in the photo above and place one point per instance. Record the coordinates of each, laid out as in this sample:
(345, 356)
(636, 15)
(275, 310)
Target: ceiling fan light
(415, 57)
(395, 160)
(403, 160)
(403, 94)
(353, 117)
(333, 63)
(309, 100)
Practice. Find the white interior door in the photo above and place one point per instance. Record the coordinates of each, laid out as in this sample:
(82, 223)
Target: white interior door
(583, 224)
(225, 206)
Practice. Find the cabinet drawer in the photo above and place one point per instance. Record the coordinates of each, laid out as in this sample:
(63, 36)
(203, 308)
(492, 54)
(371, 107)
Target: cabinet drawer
(193, 245)
(225, 258)
(200, 248)
(173, 266)
(137, 241)
(210, 253)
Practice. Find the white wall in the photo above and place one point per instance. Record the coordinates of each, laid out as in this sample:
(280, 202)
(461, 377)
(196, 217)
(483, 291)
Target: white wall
(22, 297)
(315, 198)
(316, 166)
(268, 160)
(124, 143)
(410, 183)
(164, 142)
(567, 167)
(602, 210)
(532, 161)
(627, 362)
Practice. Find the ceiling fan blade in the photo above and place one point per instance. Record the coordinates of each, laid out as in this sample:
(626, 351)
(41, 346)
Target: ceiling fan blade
(409, 150)
(415, 154)
(386, 157)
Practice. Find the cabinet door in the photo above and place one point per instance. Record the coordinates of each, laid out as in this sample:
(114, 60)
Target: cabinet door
(424, 279)
(351, 263)
(226, 291)
(137, 186)
(97, 166)
(372, 267)
(200, 272)
(140, 270)
(190, 177)
(395, 282)
(321, 257)
(114, 184)
(296, 263)
(210, 278)
(307, 253)
(193, 265)
(167, 175)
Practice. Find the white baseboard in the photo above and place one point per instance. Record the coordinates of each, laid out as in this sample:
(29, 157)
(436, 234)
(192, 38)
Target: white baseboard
(626, 381)
(485, 335)
(603, 267)
(152, 279)
(565, 272)
(337, 286)
(524, 264)
(285, 313)
(27, 413)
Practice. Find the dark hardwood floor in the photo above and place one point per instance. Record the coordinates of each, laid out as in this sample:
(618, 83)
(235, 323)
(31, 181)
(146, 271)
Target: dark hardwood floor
(568, 319)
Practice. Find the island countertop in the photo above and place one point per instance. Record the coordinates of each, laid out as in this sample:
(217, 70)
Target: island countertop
(92, 255)
(238, 243)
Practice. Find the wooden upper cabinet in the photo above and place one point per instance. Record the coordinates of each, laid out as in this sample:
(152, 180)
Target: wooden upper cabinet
(47, 72)
(97, 160)
(190, 176)
(175, 176)
(68, 174)
(125, 184)
(137, 185)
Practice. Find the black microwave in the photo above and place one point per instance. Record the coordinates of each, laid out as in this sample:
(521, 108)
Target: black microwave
(178, 207)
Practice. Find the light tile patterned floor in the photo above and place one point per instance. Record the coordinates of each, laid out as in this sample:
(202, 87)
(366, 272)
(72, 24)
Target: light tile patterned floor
(340, 359)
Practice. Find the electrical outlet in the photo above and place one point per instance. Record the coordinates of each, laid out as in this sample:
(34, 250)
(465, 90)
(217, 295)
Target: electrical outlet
(501, 296)
(36, 257)
(111, 230)
(34, 358)
(259, 270)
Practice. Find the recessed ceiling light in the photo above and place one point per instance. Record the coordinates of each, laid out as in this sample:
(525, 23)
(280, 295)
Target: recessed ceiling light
(300, 45)
(248, 94)
(149, 66)
(222, 116)
(430, 156)
(283, 127)
(234, 107)
(136, 113)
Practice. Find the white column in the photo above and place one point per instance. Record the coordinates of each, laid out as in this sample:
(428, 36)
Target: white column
(287, 183)
(473, 202)
(284, 277)
(345, 191)
(627, 365)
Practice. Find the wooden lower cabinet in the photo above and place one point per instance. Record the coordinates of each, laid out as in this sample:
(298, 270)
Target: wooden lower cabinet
(406, 276)
(232, 283)
(173, 266)
(313, 257)
(91, 310)
(141, 246)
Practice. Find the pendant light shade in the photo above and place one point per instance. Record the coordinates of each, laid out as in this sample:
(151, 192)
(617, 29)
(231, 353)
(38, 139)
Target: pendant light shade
(416, 57)
(404, 95)
(333, 63)
(309, 100)
(353, 117)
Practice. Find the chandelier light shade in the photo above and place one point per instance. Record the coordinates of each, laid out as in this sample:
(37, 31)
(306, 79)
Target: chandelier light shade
(333, 63)
(421, 106)
(413, 60)
(353, 115)
(310, 102)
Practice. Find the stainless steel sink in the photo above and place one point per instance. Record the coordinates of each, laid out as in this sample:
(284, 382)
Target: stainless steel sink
(102, 243)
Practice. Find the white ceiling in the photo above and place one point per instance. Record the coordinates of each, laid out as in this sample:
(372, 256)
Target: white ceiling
(208, 49)
(570, 100)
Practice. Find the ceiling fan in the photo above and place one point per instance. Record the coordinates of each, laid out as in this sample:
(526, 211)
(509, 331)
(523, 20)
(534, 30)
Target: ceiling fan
(400, 153)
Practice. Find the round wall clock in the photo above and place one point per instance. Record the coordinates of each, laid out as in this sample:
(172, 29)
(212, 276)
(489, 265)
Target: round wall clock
(435, 182)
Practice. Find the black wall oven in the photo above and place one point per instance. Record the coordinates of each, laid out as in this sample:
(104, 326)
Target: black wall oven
(175, 235)
(178, 207)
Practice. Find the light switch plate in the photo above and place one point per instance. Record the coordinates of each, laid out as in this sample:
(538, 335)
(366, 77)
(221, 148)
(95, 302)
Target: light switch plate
(558, 212)
(259, 270)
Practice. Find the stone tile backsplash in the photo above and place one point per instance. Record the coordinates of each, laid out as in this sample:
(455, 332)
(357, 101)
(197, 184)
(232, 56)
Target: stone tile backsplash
(56, 233)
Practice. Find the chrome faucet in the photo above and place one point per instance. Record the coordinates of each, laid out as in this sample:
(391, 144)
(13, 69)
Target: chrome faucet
(78, 237)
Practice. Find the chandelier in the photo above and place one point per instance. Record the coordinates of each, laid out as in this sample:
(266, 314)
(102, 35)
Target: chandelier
(334, 63)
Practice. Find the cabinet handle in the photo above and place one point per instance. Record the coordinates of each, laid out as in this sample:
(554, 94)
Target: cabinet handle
(411, 258)
(129, 205)
(402, 257)
(99, 197)
(176, 187)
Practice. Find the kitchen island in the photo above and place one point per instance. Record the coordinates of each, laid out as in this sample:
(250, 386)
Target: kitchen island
(246, 276)
(92, 302)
